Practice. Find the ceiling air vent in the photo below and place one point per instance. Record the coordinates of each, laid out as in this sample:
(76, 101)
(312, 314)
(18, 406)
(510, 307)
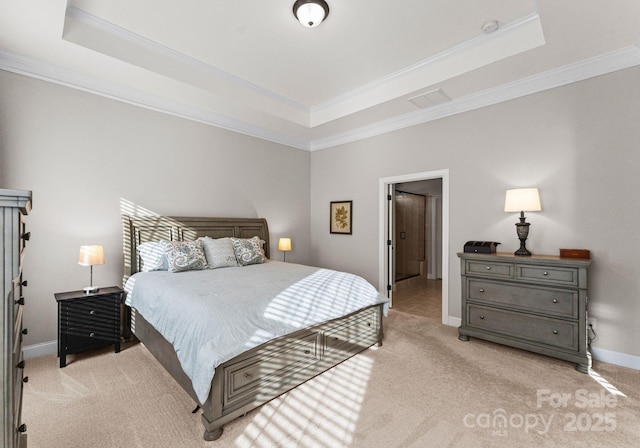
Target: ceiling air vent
(429, 99)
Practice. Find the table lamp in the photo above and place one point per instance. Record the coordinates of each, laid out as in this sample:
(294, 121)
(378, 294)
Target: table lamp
(90, 256)
(284, 244)
(522, 200)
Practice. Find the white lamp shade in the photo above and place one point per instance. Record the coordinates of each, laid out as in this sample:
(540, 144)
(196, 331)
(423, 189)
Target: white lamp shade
(284, 244)
(91, 255)
(311, 13)
(522, 200)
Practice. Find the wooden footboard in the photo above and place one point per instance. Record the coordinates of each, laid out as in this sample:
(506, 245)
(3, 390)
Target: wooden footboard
(267, 371)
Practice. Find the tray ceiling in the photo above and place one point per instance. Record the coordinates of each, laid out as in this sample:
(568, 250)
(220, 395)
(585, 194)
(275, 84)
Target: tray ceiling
(249, 66)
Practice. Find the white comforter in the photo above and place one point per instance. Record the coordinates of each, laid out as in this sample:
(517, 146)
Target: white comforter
(213, 315)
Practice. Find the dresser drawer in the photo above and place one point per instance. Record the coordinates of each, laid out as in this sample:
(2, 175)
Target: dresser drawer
(548, 275)
(490, 269)
(552, 301)
(248, 378)
(537, 329)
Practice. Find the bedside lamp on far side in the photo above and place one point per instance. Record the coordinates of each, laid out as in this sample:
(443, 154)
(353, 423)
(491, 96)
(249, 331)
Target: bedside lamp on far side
(522, 200)
(90, 256)
(284, 244)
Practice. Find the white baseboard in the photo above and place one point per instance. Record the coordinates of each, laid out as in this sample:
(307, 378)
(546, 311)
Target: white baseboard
(36, 350)
(599, 354)
(619, 359)
(454, 321)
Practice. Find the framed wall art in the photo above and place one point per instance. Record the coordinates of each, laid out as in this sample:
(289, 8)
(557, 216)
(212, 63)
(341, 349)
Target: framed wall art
(341, 217)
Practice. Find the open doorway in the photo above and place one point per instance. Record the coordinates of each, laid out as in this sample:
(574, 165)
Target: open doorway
(417, 245)
(420, 276)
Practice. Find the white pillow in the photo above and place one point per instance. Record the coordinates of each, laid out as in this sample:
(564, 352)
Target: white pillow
(153, 257)
(219, 252)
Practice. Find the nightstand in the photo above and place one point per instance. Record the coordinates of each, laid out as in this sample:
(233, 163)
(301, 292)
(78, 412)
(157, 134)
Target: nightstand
(88, 321)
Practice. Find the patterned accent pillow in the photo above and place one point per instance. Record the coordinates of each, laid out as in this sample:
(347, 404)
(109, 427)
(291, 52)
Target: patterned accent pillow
(219, 252)
(248, 251)
(184, 255)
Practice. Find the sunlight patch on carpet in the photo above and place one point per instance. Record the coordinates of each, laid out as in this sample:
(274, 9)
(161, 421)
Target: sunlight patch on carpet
(322, 412)
(613, 390)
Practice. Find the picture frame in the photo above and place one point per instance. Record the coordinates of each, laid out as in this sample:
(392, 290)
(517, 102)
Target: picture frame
(341, 217)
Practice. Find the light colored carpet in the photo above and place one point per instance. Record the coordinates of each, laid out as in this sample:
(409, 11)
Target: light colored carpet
(422, 388)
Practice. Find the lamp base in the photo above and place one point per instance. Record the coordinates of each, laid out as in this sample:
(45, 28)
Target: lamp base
(523, 251)
(90, 289)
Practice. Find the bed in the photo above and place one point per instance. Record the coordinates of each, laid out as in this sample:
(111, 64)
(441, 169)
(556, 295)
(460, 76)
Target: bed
(268, 368)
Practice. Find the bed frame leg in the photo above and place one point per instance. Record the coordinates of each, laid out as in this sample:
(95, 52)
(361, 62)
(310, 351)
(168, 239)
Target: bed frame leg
(210, 436)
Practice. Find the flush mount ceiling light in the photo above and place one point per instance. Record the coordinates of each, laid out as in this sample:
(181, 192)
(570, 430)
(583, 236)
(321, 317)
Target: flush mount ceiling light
(310, 13)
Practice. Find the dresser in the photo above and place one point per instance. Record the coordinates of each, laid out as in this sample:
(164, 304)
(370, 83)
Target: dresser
(14, 206)
(536, 303)
(88, 320)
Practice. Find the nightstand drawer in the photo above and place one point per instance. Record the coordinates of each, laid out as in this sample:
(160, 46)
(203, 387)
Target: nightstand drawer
(95, 311)
(537, 329)
(490, 269)
(555, 302)
(550, 275)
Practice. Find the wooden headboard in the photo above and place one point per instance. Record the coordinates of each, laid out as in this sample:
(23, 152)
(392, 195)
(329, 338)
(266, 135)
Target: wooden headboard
(141, 229)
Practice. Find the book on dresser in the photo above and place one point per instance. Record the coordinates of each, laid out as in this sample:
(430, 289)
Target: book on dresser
(14, 206)
(536, 303)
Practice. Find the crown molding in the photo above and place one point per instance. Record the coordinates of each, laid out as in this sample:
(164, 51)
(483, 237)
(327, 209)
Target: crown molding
(58, 75)
(122, 33)
(568, 74)
(600, 65)
(461, 48)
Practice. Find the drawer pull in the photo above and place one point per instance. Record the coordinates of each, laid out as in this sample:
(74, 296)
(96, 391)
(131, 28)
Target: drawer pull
(25, 331)
(545, 273)
(20, 365)
(368, 324)
(555, 300)
(22, 428)
(307, 352)
(92, 312)
(488, 268)
(247, 375)
(482, 316)
(555, 331)
(26, 236)
(481, 289)
(92, 335)
(24, 283)
(25, 379)
(20, 301)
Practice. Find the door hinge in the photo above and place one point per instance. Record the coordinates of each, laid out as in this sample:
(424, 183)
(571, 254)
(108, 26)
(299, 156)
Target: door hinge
(388, 242)
(388, 287)
(388, 197)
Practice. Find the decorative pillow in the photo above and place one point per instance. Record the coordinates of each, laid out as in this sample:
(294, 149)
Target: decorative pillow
(153, 257)
(248, 251)
(184, 255)
(219, 252)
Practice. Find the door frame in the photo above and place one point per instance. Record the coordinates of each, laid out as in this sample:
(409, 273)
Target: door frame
(384, 226)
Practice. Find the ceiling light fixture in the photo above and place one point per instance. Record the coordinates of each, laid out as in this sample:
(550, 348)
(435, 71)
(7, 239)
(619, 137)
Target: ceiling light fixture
(310, 13)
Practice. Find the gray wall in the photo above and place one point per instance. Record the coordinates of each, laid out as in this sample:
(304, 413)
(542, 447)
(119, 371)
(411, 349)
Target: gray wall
(86, 158)
(579, 144)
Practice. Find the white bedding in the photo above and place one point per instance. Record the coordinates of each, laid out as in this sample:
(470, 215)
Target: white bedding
(211, 316)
